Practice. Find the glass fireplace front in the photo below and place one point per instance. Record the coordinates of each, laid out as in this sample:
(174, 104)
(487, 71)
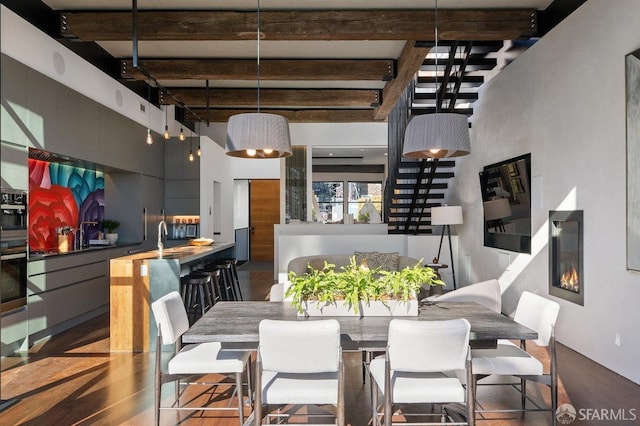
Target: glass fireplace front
(565, 255)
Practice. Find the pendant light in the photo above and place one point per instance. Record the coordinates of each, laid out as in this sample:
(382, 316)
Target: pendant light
(181, 136)
(190, 148)
(149, 139)
(199, 151)
(438, 135)
(166, 123)
(258, 135)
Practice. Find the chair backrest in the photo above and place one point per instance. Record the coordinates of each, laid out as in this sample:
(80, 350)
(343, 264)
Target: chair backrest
(428, 346)
(486, 293)
(538, 314)
(276, 294)
(171, 317)
(311, 346)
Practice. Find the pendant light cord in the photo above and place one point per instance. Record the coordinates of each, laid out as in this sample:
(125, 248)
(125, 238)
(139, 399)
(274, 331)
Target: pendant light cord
(149, 102)
(436, 35)
(258, 59)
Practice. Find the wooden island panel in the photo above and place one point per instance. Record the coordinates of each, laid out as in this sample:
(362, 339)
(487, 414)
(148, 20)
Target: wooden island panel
(137, 280)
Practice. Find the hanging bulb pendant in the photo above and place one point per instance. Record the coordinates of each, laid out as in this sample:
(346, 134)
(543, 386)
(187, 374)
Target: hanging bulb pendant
(149, 138)
(182, 137)
(166, 132)
(199, 152)
(191, 158)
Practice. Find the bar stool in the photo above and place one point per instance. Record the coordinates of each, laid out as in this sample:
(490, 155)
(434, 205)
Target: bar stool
(196, 295)
(226, 279)
(234, 275)
(214, 285)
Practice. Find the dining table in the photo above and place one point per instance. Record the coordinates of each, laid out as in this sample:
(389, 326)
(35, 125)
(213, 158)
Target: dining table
(235, 324)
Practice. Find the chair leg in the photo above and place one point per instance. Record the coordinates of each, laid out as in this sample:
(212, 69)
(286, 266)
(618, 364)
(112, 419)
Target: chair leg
(157, 387)
(257, 401)
(553, 371)
(471, 392)
(388, 404)
(340, 405)
(374, 402)
(240, 398)
(249, 387)
(364, 366)
(523, 393)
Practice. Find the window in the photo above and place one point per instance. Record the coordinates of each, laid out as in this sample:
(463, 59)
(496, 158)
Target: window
(330, 197)
(359, 194)
(331, 206)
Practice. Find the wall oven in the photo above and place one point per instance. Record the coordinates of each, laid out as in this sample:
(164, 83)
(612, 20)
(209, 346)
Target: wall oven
(13, 259)
(13, 249)
(13, 214)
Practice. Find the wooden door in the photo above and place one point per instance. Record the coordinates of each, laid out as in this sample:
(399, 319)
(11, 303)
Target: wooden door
(264, 212)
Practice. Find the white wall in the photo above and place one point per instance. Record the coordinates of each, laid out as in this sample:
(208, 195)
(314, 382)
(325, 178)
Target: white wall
(214, 167)
(563, 100)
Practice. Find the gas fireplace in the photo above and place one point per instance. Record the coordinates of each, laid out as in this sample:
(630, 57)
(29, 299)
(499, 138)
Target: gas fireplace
(566, 278)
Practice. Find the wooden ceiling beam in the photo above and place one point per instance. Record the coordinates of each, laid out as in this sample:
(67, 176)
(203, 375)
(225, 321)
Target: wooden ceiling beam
(270, 69)
(409, 63)
(329, 25)
(295, 116)
(283, 98)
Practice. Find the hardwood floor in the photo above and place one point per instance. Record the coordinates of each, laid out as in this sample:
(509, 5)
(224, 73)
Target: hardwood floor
(73, 379)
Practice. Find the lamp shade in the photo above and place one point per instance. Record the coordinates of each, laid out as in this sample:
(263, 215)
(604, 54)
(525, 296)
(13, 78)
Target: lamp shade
(496, 209)
(438, 135)
(446, 215)
(258, 135)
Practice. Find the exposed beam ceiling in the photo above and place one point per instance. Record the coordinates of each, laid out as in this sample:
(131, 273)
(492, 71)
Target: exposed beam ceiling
(473, 24)
(320, 60)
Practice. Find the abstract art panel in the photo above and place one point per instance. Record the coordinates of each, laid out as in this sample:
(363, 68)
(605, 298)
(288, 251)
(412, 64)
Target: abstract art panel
(633, 160)
(61, 195)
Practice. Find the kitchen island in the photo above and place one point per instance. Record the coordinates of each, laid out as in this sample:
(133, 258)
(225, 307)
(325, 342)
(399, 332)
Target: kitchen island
(139, 279)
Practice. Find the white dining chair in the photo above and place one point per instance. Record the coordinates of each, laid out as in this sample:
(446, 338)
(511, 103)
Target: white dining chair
(486, 293)
(299, 363)
(509, 359)
(420, 366)
(193, 360)
(276, 292)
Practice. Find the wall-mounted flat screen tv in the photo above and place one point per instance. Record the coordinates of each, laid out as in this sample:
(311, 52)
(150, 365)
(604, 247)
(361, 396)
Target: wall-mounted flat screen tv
(506, 204)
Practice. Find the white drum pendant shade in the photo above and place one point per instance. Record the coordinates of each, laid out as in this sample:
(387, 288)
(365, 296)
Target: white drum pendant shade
(438, 135)
(258, 135)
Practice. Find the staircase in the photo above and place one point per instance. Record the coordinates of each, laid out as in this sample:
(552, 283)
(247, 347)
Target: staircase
(414, 186)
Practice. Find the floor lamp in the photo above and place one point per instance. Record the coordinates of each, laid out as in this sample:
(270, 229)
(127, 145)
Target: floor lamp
(447, 216)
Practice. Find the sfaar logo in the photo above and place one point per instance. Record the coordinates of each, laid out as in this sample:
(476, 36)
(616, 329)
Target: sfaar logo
(565, 414)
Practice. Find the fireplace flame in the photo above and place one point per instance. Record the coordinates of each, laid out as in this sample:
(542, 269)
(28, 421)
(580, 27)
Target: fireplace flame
(570, 280)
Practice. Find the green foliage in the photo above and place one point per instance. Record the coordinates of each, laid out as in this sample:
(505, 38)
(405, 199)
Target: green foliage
(110, 225)
(358, 283)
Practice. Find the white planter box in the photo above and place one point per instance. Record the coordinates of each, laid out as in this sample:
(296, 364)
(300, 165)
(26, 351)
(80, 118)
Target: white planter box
(393, 308)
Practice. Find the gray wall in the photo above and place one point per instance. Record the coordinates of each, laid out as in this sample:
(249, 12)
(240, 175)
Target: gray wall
(38, 112)
(182, 177)
(563, 101)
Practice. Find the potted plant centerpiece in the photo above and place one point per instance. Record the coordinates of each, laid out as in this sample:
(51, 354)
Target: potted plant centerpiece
(359, 290)
(110, 226)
